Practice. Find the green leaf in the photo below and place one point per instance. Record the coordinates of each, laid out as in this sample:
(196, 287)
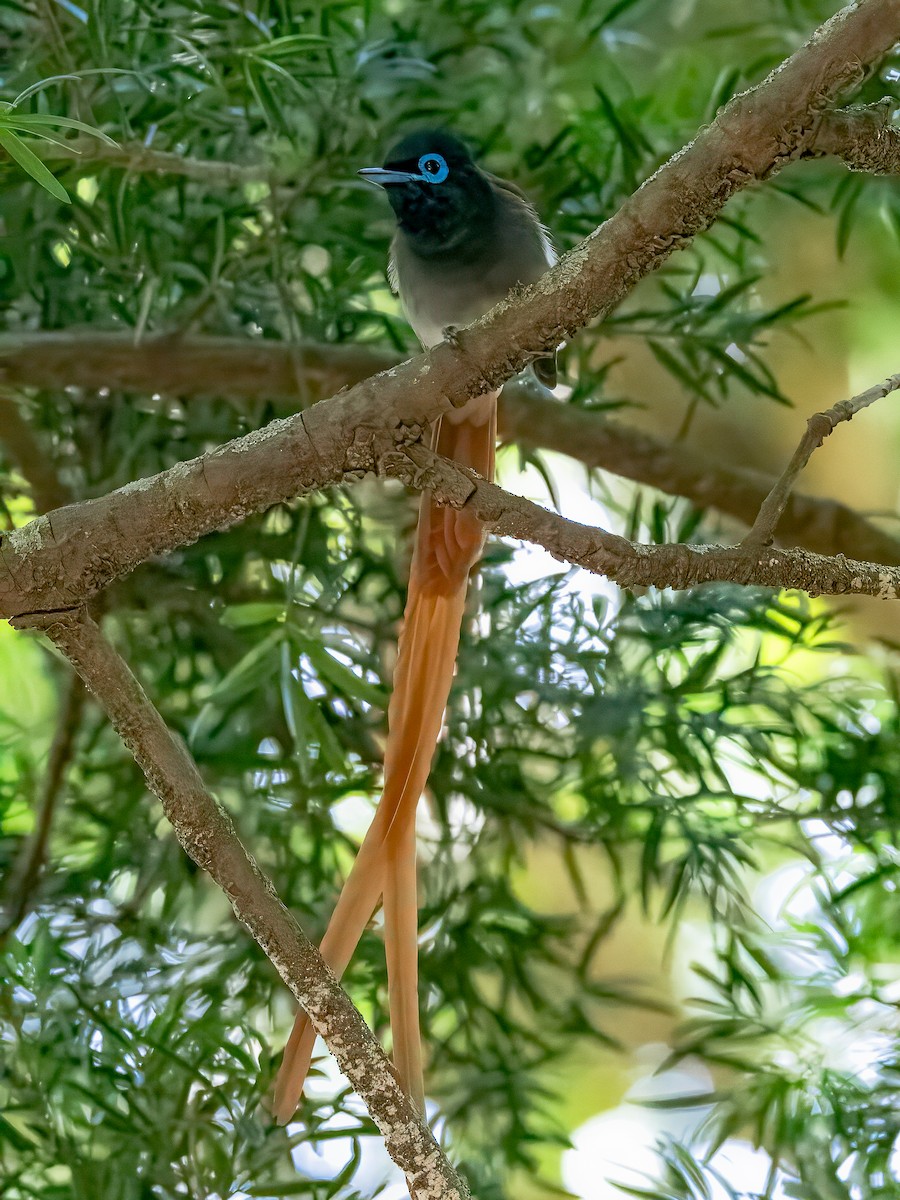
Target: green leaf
(256, 667)
(38, 121)
(260, 612)
(339, 675)
(32, 165)
(615, 10)
(285, 47)
(296, 1187)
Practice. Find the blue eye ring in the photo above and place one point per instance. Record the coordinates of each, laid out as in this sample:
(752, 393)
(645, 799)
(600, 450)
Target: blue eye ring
(433, 168)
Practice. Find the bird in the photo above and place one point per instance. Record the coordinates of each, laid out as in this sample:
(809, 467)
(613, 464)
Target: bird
(464, 240)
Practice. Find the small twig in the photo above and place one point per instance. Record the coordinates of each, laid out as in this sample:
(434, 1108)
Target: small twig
(48, 492)
(818, 428)
(818, 523)
(47, 15)
(24, 876)
(207, 834)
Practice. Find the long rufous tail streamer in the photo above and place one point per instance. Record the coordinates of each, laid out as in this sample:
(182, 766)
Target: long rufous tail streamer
(448, 543)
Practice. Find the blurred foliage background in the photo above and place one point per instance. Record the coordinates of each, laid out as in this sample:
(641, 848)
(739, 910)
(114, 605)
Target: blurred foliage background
(659, 855)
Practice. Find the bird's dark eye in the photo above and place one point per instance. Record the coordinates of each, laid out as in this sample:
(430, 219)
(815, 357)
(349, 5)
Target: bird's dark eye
(434, 168)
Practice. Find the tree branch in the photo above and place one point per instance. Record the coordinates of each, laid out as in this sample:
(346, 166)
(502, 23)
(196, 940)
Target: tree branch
(239, 368)
(285, 374)
(633, 564)
(47, 491)
(822, 525)
(818, 428)
(862, 136)
(207, 834)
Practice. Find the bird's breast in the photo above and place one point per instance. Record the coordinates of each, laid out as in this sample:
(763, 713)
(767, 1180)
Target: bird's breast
(453, 290)
(440, 298)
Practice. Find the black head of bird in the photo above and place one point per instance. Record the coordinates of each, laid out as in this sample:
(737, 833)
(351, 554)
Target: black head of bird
(443, 202)
(464, 237)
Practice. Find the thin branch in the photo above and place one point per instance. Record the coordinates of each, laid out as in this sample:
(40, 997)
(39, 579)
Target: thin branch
(135, 156)
(633, 564)
(207, 834)
(48, 16)
(823, 525)
(863, 136)
(25, 874)
(819, 426)
(288, 375)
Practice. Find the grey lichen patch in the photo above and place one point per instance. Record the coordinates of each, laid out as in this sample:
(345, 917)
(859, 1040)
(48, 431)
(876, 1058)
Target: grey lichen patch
(569, 268)
(887, 586)
(139, 486)
(360, 455)
(275, 430)
(32, 537)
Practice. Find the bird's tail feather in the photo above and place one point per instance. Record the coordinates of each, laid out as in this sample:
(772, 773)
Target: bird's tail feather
(448, 543)
(401, 929)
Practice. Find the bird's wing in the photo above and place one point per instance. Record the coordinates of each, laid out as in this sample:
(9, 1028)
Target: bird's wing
(522, 201)
(523, 226)
(393, 277)
(448, 543)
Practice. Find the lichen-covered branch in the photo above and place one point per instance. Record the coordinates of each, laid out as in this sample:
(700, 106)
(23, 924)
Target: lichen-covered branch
(207, 834)
(823, 525)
